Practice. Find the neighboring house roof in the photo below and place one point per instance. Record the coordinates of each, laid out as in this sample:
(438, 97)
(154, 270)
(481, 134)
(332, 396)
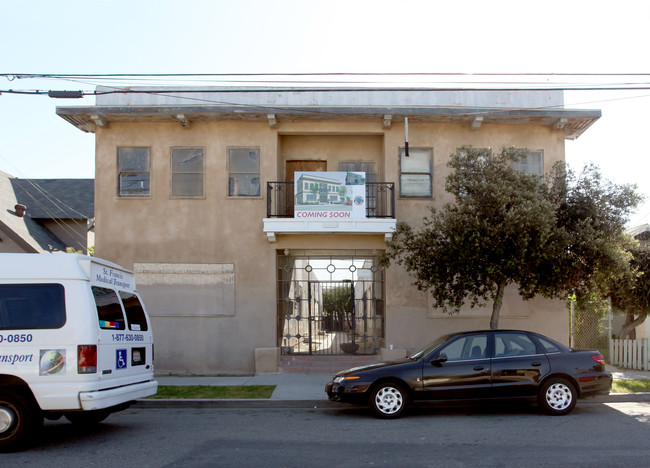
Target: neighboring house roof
(56, 198)
(45, 199)
(641, 233)
(635, 231)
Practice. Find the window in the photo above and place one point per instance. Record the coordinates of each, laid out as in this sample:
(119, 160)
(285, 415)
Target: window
(187, 172)
(533, 163)
(513, 344)
(133, 172)
(416, 173)
(134, 312)
(31, 306)
(243, 172)
(109, 310)
(483, 154)
(368, 167)
(465, 348)
(548, 345)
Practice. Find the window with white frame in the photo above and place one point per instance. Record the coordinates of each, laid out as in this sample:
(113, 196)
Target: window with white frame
(416, 173)
(134, 173)
(243, 172)
(532, 163)
(187, 172)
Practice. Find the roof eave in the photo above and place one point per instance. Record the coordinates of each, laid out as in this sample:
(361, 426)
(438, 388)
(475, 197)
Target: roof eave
(88, 118)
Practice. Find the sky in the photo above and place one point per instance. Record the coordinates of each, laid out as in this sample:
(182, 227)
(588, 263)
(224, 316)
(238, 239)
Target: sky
(313, 36)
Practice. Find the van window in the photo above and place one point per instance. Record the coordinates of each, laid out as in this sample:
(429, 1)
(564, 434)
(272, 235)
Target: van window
(31, 306)
(134, 312)
(109, 310)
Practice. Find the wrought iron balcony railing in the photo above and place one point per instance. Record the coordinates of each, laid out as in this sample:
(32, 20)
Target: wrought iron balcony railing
(380, 199)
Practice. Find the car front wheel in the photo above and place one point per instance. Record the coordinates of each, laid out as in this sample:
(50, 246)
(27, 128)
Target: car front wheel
(388, 400)
(557, 397)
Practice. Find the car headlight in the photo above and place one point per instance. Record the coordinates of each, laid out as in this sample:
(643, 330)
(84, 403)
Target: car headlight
(342, 378)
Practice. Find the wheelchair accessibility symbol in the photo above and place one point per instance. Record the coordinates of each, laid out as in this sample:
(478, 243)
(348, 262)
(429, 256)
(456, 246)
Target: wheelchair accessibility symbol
(120, 359)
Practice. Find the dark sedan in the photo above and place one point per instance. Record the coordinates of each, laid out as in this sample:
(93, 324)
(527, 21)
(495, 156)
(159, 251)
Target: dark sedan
(477, 365)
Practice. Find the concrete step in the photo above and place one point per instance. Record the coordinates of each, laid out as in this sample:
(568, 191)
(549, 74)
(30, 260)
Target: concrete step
(323, 364)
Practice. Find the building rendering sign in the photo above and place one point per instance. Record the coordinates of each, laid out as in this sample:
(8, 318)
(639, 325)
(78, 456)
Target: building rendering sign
(329, 195)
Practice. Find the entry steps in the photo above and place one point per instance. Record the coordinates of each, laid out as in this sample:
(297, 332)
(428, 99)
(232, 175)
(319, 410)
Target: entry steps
(305, 364)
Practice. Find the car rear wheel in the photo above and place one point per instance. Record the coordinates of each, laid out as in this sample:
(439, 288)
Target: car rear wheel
(19, 419)
(557, 397)
(388, 400)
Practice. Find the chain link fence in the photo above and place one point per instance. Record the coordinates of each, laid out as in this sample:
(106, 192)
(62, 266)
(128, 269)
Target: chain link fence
(591, 324)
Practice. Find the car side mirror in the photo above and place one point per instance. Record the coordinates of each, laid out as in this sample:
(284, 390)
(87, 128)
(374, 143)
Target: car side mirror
(439, 360)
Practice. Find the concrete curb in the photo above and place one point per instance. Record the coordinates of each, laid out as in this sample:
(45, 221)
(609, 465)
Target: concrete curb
(326, 404)
(233, 403)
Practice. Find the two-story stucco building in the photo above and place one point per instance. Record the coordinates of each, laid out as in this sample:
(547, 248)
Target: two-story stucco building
(195, 190)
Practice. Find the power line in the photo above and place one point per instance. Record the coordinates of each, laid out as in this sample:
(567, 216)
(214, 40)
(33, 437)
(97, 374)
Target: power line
(78, 94)
(123, 75)
(427, 80)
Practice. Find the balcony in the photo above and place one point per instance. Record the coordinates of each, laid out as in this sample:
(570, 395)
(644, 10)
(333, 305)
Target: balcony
(380, 213)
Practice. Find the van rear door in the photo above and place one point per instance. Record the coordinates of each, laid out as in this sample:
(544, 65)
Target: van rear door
(125, 353)
(125, 350)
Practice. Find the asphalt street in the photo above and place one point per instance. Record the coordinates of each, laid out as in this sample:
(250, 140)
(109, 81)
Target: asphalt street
(595, 434)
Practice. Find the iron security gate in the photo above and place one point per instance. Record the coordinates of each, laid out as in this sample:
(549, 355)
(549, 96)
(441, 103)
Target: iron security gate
(330, 305)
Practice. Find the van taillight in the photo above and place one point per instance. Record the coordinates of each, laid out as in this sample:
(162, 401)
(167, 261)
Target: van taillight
(87, 359)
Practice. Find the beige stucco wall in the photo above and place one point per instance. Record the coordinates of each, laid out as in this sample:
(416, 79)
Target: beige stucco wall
(219, 229)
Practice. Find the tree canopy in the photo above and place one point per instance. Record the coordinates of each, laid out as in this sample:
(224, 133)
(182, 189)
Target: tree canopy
(548, 237)
(631, 293)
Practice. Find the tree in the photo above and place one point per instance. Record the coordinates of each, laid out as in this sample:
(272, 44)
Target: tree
(315, 190)
(343, 191)
(337, 304)
(507, 227)
(631, 293)
(591, 214)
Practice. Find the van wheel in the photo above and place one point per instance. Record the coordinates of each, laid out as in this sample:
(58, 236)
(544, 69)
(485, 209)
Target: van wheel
(19, 419)
(87, 418)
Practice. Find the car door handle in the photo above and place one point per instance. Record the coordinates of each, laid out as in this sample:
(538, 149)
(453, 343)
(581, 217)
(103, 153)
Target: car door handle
(536, 364)
(477, 368)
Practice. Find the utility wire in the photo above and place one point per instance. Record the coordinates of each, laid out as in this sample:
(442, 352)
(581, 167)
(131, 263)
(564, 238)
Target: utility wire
(122, 75)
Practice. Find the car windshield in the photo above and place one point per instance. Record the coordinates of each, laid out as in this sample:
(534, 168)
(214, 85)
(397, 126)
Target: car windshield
(430, 347)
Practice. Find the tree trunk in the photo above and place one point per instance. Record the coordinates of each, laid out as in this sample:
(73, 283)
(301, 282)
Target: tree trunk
(628, 330)
(496, 307)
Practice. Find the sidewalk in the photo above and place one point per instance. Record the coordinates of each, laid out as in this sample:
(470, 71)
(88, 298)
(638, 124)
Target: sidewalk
(288, 386)
(308, 390)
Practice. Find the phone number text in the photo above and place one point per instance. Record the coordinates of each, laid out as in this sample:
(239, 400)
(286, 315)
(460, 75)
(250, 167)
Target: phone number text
(123, 337)
(16, 338)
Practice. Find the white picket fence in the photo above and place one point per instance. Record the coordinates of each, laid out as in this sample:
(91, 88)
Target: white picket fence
(631, 354)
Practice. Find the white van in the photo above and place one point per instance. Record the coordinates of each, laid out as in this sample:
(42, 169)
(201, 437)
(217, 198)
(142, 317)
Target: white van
(75, 341)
